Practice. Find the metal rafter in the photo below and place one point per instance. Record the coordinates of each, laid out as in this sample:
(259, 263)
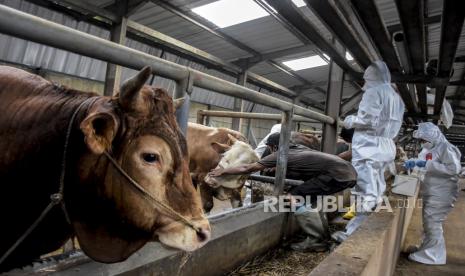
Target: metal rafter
(294, 16)
(251, 61)
(211, 29)
(412, 21)
(368, 13)
(451, 28)
(427, 21)
(328, 14)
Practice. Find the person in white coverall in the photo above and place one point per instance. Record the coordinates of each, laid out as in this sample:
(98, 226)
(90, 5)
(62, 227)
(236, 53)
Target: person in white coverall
(378, 121)
(441, 161)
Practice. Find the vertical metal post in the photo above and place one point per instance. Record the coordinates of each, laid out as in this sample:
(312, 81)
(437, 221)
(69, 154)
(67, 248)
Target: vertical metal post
(238, 106)
(118, 35)
(333, 107)
(200, 118)
(208, 118)
(183, 90)
(281, 166)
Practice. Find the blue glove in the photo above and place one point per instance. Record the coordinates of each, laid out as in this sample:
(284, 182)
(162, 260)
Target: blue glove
(421, 163)
(409, 164)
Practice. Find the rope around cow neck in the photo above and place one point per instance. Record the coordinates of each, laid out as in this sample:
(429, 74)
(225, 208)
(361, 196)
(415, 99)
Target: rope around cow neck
(56, 198)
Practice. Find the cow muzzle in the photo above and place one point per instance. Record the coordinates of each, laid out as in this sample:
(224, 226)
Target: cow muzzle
(180, 236)
(212, 181)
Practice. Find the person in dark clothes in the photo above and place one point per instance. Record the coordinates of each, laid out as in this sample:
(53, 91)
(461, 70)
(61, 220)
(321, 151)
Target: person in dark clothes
(322, 173)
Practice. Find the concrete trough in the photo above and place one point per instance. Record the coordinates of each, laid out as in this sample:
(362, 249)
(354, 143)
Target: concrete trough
(237, 236)
(374, 249)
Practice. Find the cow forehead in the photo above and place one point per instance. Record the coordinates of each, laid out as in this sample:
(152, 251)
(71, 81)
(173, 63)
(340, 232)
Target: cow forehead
(241, 150)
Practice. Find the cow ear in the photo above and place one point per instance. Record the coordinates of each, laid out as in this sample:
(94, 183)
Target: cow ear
(220, 148)
(99, 130)
(177, 103)
(232, 139)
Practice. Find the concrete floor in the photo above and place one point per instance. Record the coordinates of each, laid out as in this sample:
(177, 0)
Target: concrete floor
(454, 230)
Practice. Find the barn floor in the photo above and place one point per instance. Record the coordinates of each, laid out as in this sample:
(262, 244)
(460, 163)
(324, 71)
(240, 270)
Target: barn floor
(455, 237)
(282, 261)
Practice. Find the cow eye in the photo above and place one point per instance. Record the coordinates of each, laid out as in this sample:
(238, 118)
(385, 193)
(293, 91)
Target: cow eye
(150, 157)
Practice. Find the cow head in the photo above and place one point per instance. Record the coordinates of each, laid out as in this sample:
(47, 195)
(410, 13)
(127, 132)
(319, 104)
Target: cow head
(111, 218)
(239, 153)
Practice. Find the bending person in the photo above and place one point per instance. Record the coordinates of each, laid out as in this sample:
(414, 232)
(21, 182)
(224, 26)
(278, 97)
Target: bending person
(324, 174)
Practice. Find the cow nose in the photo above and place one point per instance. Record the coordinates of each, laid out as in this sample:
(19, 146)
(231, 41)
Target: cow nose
(203, 234)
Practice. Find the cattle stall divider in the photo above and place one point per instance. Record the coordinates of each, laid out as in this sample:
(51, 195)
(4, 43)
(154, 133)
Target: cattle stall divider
(36, 29)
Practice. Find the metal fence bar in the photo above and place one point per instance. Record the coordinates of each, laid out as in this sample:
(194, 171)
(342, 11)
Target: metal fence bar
(247, 115)
(33, 28)
(269, 179)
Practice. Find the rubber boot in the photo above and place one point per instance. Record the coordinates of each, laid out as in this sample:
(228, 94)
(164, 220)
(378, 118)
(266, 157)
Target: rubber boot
(351, 213)
(315, 225)
(310, 245)
(341, 236)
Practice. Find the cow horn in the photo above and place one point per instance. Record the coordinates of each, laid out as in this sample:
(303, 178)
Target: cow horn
(232, 138)
(177, 103)
(129, 91)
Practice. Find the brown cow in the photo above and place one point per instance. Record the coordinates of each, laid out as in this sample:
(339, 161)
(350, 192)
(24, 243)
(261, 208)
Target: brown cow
(110, 218)
(208, 146)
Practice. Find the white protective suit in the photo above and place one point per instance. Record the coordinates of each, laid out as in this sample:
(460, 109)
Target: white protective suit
(439, 192)
(378, 121)
(262, 145)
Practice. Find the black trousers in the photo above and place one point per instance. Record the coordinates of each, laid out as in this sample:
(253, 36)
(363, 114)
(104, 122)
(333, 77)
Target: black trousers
(321, 185)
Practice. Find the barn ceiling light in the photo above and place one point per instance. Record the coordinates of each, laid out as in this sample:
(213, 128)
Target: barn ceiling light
(225, 13)
(305, 63)
(299, 3)
(349, 57)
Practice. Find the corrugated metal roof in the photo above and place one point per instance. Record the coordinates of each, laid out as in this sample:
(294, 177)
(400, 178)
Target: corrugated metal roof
(263, 34)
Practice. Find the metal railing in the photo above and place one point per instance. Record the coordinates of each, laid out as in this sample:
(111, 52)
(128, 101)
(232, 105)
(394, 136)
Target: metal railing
(36, 29)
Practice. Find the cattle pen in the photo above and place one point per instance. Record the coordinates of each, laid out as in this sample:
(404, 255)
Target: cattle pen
(353, 41)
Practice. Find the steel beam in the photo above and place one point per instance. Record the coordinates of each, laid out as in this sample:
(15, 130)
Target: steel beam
(183, 90)
(117, 35)
(351, 103)
(295, 17)
(251, 61)
(435, 19)
(283, 150)
(238, 104)
(333, 107)
(451, 28)
(29, 27)
(402, 50)
(328, 14)
(86, 7)
(369, 15)
(291, 28)
(459, 95)
(412, 21)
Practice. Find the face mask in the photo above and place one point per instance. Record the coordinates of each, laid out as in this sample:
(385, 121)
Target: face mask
(427, 145)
